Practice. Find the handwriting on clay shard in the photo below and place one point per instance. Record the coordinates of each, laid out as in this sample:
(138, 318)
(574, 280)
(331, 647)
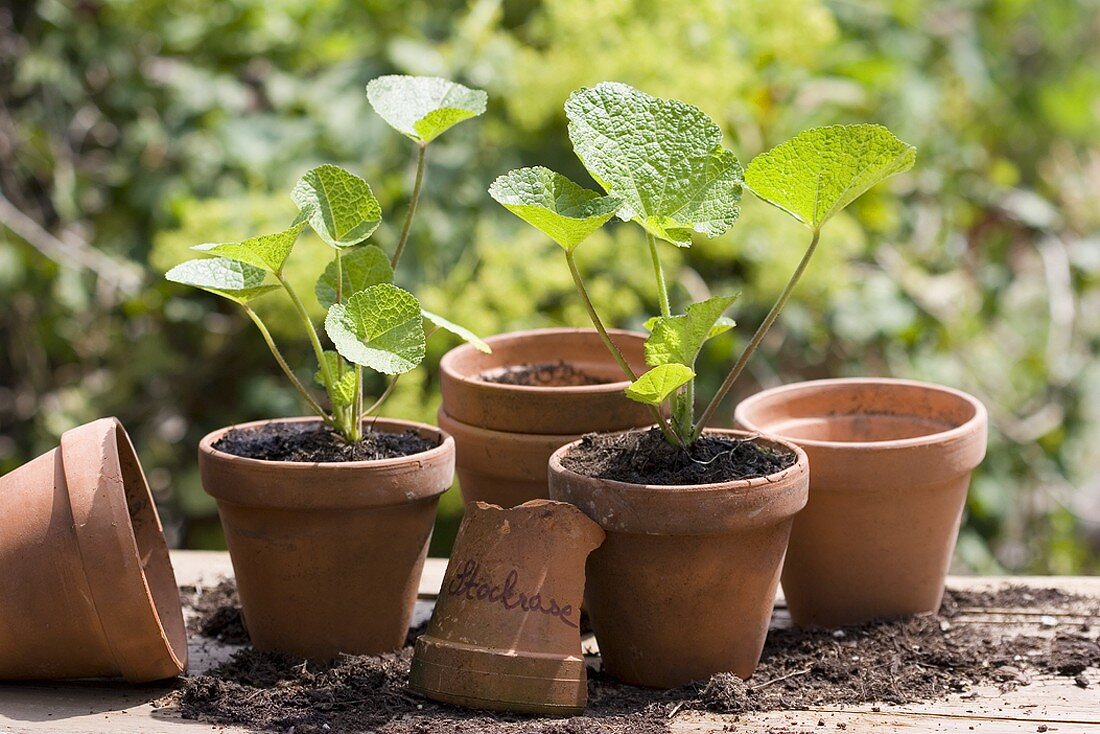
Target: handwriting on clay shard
(469, 583)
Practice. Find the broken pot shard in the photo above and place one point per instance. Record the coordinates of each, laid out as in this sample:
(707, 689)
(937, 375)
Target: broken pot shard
(505, 633)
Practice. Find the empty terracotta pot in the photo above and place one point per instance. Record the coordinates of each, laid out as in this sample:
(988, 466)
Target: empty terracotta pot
(505, 632)
(86, 585)
(328, 556)
(504, 434)
(684, 584)
(891, 464)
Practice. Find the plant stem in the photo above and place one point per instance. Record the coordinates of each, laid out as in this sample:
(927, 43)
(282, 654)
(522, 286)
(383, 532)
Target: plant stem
(758, 337)
(669, 434)
(658, 271)
(421, 154)
(313, 404)
(382, 398)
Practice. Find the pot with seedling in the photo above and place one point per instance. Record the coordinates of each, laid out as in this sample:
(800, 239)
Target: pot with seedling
(697, 518)
(328, 518)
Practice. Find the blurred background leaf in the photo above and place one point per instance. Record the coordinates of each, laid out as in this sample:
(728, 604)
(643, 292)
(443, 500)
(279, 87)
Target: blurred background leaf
(132, 129)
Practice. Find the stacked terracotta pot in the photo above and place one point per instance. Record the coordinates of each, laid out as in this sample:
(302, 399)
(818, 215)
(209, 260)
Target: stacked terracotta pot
(505, 434)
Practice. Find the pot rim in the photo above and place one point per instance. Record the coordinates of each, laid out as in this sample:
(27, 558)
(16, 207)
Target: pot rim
(446, 364)
(446, 443)
(971, 425)
(800, 466)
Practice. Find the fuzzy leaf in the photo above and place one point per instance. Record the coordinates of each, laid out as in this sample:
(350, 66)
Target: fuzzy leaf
(361, 267)
(678, 339)
(564, 211)
(267, 251)
(344, 379)
(820, 171)
(380, 327)
(339, 206)
(460, 331)
(654, 387)
(423, 107)
(232, 279)
(662, 156)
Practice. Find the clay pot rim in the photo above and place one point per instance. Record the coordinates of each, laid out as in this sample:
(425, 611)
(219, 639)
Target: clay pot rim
(206, 445)
(446, 364)
(972, 425)
(530, 439)
(778, 479)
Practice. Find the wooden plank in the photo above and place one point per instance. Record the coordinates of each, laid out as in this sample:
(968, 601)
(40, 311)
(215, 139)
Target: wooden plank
(98, 707)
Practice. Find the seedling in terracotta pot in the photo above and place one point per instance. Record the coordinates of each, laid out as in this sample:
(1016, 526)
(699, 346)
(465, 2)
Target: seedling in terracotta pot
(662, 165)
(328, 525)
(370, 322)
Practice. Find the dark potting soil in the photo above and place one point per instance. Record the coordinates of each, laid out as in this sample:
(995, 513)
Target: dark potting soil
(216, 613)
(645, 457)
(896, 662)
(315, 442)
(548, 374)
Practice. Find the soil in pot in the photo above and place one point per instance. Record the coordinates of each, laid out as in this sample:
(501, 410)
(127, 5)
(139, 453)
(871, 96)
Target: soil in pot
(316, 442)
(547, 374)
(898, 662)
(645, 457)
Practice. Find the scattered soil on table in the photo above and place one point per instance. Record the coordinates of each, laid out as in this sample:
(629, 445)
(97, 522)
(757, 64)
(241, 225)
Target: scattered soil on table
(315, 442)
(645, 457)
(894, 662)
(548, 374)
(216, 613)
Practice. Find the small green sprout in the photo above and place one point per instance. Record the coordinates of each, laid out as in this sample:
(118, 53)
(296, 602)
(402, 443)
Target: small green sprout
(371, 322)
(661, 165)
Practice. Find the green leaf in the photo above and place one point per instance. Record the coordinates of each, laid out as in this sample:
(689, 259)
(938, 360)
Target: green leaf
(662, 156)
(460, 331)
(820, 171)
(232, 279)
(423, 107)
(267, 251)
(654, 387)
(678, 339)
(343, 388)
(379, 327)
(361, 267)
(339, 206)
(566, 212)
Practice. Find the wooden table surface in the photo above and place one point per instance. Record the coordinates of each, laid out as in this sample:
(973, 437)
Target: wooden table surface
(1055, 703)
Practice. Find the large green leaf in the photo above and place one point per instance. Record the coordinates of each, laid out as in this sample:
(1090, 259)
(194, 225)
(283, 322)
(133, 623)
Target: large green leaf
(565, 211)
(339, 206)
(380, 327)
(232, 279)
(662, 156)
(344, 379)
(654, 387)
(267, 251)
(678, 339)
(820, 171)
(460, 331)
(361, 267)
(423, 107)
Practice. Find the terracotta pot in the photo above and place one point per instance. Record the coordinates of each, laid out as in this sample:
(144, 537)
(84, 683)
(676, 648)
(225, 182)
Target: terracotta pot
(505, 434)
(86, 585)
(891, 465)
(684, 584)
(505, 632)
(328, 556)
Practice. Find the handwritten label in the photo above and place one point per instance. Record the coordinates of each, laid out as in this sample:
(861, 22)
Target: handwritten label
(469, 583)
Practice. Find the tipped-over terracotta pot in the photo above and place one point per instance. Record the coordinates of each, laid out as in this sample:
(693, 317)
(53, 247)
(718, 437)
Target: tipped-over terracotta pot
(504, 434)
(505, 632)
(328, 556)
(891, 464)
(86, 586)
(684, 584)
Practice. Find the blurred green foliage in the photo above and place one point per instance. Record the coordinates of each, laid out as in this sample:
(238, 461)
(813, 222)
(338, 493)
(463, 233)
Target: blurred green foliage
(131, 129)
